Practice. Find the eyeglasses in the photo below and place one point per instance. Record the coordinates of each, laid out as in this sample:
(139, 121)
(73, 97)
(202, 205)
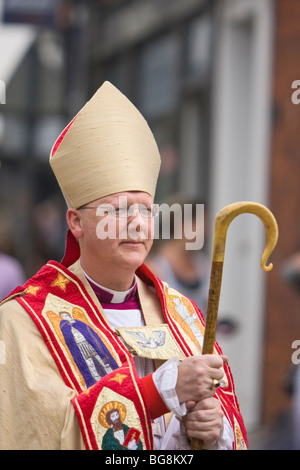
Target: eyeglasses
(146, 211)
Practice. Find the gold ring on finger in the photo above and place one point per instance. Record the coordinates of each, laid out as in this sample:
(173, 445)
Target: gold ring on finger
(215, 384)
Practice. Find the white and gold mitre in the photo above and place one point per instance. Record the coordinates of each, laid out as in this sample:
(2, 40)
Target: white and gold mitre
(106, 149)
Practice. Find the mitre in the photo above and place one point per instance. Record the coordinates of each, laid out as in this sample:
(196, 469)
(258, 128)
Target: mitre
(107, 148)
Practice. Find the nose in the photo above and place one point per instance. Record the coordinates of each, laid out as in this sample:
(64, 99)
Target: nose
(138, 227)
(134, 211)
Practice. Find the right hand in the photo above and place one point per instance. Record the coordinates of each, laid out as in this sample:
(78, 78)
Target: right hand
(132, 445)
(204, 421)
(195, 376)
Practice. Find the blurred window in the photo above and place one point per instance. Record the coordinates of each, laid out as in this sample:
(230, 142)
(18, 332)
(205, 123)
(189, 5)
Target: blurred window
(199, 47)
(160, 76)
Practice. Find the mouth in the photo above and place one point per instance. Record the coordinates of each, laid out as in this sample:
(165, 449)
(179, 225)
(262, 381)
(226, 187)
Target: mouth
(132, 242)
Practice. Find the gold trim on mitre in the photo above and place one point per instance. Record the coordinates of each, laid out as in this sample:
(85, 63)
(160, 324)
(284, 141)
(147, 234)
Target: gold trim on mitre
(106, 149)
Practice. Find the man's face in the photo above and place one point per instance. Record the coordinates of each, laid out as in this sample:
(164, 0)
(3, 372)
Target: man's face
(114, 420)
(67, 317)
(128, 240)
(114, 416)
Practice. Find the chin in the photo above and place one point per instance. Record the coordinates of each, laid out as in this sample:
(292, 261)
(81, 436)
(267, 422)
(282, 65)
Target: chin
(134, 261)
(133, 254)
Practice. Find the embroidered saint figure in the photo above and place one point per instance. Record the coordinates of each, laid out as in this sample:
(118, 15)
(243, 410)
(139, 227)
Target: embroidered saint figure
(88, 351)
(189, 319)
(118, 436)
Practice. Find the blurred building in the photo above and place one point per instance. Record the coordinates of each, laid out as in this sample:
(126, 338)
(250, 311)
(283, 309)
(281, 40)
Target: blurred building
(45, 86)
(214, 80)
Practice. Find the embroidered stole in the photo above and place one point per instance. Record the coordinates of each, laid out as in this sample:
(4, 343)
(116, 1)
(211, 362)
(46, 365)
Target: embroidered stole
(98, 366)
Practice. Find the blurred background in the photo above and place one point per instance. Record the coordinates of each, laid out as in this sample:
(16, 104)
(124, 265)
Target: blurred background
(214, 80)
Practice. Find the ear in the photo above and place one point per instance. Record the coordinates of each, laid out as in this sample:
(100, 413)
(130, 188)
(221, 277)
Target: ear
(75, 223)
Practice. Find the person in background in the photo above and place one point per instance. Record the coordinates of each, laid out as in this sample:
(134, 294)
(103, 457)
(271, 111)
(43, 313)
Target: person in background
(11, 270)
(187, 270)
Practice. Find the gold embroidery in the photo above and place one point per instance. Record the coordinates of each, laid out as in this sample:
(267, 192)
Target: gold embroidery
(44, 329)
(61, 281)
(153, 342)
(33, 289)
(118, 378)
(99, 314)
(238, 435)
(104, 403)
(184, 314)
(53, 309)
(55, 320)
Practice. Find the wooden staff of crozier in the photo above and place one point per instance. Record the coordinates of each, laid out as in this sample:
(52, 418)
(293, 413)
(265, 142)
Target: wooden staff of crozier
(222, 222)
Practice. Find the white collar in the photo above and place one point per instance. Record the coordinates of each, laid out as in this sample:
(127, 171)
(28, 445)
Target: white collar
(114, 296)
